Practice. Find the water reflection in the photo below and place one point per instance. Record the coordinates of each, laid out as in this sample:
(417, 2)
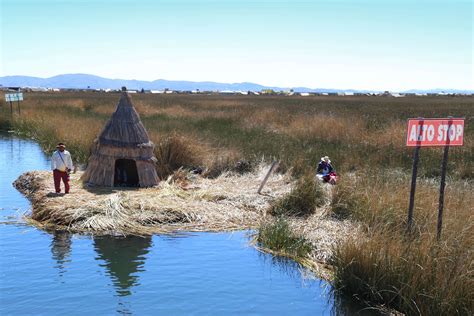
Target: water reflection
(341, 304)
(210, 273)
(61, 249)
(123, 257)
(345, 305)
(291, 268)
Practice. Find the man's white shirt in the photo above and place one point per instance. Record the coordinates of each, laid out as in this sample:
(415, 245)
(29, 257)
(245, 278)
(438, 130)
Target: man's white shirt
(61, 160)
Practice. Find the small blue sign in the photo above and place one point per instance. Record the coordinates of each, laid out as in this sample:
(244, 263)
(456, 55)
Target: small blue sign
(12, 97)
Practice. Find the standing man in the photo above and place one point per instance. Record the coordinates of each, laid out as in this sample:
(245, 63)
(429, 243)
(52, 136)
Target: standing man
(61, 164)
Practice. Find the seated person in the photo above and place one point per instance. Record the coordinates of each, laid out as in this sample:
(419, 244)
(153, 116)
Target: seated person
(324, 168)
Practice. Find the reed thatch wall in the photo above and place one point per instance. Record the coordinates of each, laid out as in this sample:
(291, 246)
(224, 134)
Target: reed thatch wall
(123, 137)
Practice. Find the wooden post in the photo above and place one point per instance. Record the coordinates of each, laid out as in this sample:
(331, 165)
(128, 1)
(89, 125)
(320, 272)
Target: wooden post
(18, 107)
(444, 165)
(414, 173)
(274, 163)
(413, 188)
(11, 108)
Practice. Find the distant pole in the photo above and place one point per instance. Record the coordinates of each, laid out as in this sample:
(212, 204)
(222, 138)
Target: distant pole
(274, 163)
(11, 108)
(442, 186)
(18, 101)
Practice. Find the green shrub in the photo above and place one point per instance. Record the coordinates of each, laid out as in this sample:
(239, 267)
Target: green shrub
(5, 121)
(302, 200)
(345, 202)
(278, 236)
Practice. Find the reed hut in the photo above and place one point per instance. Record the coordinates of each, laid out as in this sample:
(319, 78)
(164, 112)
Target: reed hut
(123, 258)
(122, 155)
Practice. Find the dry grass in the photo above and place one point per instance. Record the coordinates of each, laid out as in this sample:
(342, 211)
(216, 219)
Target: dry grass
(413, 273)
(188, 202)
(174, 152)
(417, 277)
(357, 132)
(78, 131)
(381, 198)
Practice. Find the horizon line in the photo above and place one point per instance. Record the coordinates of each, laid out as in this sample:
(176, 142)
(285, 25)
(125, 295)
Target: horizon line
(471, 90)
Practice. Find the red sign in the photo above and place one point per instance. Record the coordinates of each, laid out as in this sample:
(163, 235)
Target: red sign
(435, 132)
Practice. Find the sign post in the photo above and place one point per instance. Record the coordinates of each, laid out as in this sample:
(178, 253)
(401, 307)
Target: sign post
(429, 133)
(443, 184)
(414, 172)
(11, 97)
(413, 188)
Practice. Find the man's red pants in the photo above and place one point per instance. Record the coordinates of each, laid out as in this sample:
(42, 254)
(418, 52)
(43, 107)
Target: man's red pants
(58, 175)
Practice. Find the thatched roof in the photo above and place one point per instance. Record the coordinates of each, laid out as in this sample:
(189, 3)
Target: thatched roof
(124, 129)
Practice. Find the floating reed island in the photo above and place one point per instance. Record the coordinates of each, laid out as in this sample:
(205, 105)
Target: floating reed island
(120, 193)
(184, 202)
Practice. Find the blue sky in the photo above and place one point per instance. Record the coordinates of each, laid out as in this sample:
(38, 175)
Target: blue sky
(371, 44)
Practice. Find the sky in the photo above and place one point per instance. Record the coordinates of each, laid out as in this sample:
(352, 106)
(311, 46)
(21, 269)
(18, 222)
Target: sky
(358, 44)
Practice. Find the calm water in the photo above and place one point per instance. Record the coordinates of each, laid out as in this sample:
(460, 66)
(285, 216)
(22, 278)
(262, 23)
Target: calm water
(45, 273)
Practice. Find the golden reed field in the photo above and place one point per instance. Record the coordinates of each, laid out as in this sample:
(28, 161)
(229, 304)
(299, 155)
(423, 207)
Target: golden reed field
(364, 137)
(355, 132)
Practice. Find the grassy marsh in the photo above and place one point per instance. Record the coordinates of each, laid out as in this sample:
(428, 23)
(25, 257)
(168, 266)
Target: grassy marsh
(364, 136)
(356, 132)
(413, 273)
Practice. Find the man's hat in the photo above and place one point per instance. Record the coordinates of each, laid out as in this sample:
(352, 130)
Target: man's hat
(60, 145)
(325, 158)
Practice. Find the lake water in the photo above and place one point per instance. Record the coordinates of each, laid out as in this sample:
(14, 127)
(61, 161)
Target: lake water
(51, 273)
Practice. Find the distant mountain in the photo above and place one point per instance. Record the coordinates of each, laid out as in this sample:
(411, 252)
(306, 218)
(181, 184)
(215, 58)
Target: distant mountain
(85, 81)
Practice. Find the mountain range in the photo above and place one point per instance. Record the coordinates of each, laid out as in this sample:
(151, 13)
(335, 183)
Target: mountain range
(86, 81)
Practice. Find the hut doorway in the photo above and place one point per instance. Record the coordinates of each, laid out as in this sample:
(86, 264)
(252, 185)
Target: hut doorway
(126, 174)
